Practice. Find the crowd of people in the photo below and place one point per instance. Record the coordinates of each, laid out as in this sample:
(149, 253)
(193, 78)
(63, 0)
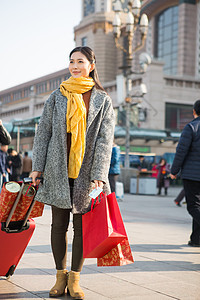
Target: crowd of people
(13, 165)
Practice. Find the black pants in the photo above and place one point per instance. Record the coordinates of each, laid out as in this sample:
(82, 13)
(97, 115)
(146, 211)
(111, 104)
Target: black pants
(180, 196)
(192, 194)
(112, 181)
(59, 228)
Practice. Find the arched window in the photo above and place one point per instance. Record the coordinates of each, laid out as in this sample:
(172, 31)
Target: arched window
(166, 42)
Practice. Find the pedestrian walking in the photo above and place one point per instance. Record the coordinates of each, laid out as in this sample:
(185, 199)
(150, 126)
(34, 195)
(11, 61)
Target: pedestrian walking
(8, 159)
(179, 198)
(74, 158)
(5, 138)
(162, 177)
(187, 159)
(26, 165)
(4, 167)
(15, 165)
(114, 170)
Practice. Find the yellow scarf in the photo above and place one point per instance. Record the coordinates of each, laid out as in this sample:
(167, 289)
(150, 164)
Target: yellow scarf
(73, 88)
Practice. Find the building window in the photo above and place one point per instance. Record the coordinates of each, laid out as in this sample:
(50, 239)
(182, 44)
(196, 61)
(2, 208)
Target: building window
(198, 42)
(177, 116)
(166, 41)
(17, 95)
(39, 106)
(88, 7)
(84, 41)
(41, 88)
(15, 112)
(55, 83)
(26, 93)
(102, 5)
(6, 99)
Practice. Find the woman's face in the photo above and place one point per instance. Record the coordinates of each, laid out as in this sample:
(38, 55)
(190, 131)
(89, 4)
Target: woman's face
(162, 162)
(79, 65)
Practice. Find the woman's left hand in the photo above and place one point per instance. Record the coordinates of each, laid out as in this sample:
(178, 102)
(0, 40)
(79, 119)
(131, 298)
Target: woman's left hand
(98, 183)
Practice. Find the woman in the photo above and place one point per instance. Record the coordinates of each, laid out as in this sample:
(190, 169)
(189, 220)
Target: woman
(73, 148)
(15, 165)
(163, 176)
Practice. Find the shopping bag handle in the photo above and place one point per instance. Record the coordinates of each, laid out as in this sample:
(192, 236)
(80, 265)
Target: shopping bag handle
(97, 201)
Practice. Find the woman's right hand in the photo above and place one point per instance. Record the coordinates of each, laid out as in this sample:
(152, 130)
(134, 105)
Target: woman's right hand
(34, 175)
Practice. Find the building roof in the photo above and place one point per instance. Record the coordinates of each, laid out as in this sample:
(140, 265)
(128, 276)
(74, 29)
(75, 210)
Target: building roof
(147, 134)
(35, 81)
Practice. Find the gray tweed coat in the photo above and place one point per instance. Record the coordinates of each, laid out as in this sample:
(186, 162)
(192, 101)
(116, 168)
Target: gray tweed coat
(50, 151)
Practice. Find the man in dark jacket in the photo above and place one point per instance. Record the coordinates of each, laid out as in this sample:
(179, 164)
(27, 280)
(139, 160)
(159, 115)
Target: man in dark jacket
(187, 159)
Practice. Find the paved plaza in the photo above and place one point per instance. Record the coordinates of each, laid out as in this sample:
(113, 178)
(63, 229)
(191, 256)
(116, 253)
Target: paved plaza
(165, 266)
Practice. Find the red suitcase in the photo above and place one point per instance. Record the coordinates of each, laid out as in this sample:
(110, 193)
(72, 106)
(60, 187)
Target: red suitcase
(14, 238)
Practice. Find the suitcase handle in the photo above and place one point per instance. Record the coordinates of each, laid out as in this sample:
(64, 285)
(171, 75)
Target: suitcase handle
(25, 180)
(15, 227)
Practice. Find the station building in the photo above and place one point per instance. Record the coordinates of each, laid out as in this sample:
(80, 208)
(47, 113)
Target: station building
(172, 79)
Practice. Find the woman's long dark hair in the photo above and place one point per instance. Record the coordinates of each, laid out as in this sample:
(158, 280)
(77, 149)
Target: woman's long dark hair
(164, 160)
(89, 54)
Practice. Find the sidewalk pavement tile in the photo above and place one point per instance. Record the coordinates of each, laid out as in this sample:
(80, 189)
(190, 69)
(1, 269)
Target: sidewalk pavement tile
(13, 291)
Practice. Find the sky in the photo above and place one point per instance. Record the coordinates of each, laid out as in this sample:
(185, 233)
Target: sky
(36, 37)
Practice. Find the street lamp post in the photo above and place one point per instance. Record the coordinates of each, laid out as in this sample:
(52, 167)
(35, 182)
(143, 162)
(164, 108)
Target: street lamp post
(133, 21)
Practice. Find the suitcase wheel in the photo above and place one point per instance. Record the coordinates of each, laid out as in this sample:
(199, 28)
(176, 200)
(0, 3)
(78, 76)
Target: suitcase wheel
(11, 271)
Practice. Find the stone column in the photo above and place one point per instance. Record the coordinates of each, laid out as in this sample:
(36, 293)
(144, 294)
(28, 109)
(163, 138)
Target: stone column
(187, 27)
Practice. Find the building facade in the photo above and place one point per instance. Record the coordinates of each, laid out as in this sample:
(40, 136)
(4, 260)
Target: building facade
(172, 79)
(22, 105)
(27, 100)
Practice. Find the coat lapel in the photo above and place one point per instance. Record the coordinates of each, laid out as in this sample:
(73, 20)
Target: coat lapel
(96, 102)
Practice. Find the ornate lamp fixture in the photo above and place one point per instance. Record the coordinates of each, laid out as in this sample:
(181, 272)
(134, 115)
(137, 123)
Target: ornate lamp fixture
(133, 21)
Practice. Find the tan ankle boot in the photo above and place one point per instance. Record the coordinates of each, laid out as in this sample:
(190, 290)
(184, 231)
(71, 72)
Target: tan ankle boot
(73, 285)
(61, 282)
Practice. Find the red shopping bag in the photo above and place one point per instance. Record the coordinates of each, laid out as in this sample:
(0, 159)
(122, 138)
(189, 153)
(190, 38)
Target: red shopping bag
(103, 227)
(119, 256)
